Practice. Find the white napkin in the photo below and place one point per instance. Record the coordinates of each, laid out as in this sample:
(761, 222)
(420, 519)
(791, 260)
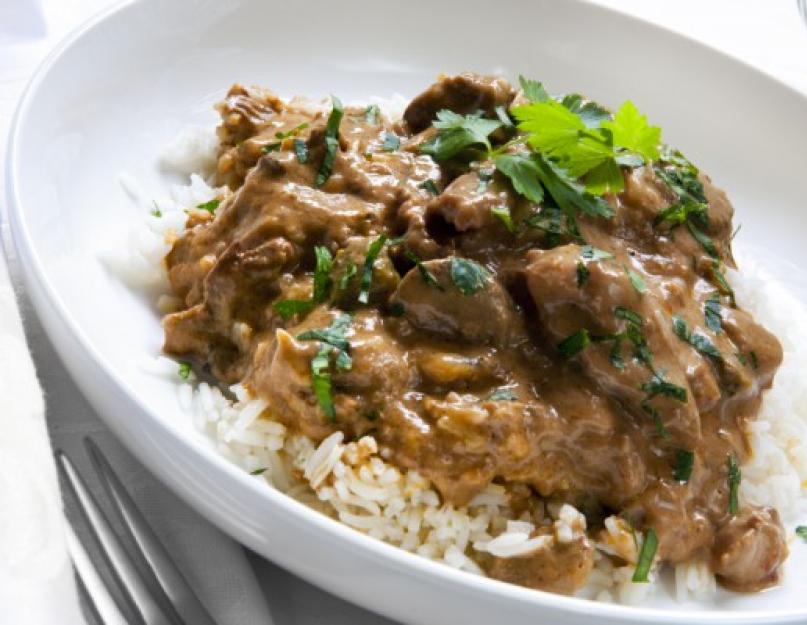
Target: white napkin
(33, 557)
(36, 578)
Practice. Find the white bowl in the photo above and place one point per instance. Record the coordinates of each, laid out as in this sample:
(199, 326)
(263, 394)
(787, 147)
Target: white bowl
(112, 95)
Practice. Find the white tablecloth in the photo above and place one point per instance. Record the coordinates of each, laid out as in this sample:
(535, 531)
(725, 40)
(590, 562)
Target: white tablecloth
(767, 34)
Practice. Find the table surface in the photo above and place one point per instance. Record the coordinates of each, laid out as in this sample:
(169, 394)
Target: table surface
(767, 35)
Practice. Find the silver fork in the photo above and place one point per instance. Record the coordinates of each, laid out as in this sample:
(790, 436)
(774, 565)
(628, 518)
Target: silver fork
(153, 589)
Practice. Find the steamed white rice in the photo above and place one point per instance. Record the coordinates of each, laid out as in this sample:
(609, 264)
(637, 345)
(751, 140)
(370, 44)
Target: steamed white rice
(353, 483)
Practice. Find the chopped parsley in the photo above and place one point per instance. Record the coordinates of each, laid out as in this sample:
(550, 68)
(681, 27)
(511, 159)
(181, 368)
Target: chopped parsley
(705, 240)
(373, 251)
(801, 532)
(280, 136)
(321, 381)
(711, 313)
(575, 343)
(734, 478)
(333, 335)
(646, 555)
(659, 385)
(259, 471)
(156, 212)
(467, 275)
(620, 312)
(331, 141)
(428, 276)
(661, 429)
(457, 133)
(346, 277)
(589, 252)
(691, 207)
(301, 151)
(184, 370)
(429, 186)
(333, 342)
(391, 142)
(287, 308)
(583, 273)
(502, 213)
(631, 333)
(680, 328)
(754, 359)
(372, 114)
(702, 344)
(322, 274)
(636, 280)
(641, 348)
(722, 284)
(210, 206)
(684, 461)
(503, 394)
(615, 356)
(291, 133)
(551, 221)
(678, 214)
(699, 341)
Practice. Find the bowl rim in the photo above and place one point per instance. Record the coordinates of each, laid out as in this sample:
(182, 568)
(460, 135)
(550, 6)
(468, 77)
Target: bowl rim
(34, 275)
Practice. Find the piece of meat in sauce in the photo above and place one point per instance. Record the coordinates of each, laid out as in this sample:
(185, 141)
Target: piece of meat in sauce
(466, 93)
(749, 550)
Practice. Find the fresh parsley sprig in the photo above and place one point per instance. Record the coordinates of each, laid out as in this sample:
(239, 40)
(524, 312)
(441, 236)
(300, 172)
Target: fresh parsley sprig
(373, 250)
(457, 133)
(586, 142)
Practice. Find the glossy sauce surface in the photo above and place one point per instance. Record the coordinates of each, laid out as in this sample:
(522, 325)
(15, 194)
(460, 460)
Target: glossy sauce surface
(470, 388)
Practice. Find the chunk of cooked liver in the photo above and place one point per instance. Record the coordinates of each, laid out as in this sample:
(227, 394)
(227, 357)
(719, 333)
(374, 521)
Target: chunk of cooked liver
(749, 549)
(464, 94)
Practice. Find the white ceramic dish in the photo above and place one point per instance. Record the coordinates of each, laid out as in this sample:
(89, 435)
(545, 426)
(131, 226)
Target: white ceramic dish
(111, 96)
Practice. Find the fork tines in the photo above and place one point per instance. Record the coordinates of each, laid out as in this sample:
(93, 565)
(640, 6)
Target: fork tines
(153, 590)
